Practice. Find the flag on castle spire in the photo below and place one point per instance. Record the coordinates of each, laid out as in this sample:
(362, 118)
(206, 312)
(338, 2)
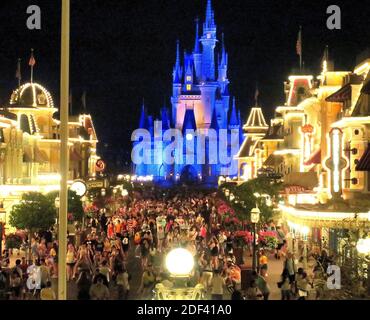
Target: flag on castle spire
(299, 46)
(32, 63)
(18, 73)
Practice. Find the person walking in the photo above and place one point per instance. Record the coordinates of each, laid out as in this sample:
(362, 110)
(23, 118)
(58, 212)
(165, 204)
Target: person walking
(217, 286)
(263, 286)
(302, 286)
(98, 290)
(285, 285)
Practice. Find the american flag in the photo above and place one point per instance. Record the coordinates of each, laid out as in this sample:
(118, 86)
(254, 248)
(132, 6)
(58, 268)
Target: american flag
(299, 43)
(32, 60)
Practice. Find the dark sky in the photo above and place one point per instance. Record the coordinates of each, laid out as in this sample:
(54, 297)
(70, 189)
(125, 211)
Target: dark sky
(122, 51)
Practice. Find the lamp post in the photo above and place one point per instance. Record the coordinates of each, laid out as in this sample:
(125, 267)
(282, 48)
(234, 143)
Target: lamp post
(255, 218)
(64, 157)
(57, 206)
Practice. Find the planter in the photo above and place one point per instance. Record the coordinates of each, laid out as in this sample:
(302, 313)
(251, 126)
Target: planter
(238, 253)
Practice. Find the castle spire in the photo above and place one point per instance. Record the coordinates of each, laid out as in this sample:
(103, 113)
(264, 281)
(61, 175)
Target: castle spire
(177, 69)
(234, 118)
(210, 22)
(224, 58)
(143, 117)
(196, 44)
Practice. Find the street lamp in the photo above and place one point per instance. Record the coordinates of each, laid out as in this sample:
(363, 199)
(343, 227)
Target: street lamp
(179, 263)
(255, 218)
(57, 206)
(227, 193)
(103, 192)
(124, 193)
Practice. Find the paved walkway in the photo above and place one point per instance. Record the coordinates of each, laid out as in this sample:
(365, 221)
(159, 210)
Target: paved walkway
(275, 268)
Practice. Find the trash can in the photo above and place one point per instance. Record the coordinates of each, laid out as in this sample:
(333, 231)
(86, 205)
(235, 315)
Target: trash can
(246, 276)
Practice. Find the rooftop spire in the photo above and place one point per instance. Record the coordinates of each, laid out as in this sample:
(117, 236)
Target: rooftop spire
(143, 117)
(224, 54)
(177, 69)
(196, 44)
(210, 22)
(234, 118)
(214, 123)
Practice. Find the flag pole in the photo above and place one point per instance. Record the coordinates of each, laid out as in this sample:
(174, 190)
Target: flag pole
(19, 73)
(32, 66)
(300, 56)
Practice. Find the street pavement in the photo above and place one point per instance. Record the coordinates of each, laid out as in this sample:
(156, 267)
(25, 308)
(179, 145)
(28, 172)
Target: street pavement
(275, 268)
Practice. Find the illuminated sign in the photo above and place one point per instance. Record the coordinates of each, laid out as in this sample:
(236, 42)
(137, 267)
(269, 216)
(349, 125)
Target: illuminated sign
(95, 184)
(100, 166)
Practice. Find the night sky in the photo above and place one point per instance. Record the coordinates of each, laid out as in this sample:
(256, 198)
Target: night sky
(124, 51)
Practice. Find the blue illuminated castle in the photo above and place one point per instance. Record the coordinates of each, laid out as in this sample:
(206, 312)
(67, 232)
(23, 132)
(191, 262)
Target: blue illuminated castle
(200, 101)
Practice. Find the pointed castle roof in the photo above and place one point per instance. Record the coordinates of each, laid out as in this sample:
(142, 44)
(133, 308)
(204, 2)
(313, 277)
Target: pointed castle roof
(214, 123)
(143, 118)
(234, 117)
(189, 121)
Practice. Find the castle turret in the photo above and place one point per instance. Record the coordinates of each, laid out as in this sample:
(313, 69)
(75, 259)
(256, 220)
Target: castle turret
(197, 55)
(176, 86)
(209, 41)
(222, 67)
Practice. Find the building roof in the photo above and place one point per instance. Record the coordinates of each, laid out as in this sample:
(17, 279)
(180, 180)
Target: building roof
(274, 132)
(343, 94)
(307, 180)
(247, 148)
(364, 163)
(274, 160)
(256, 118)
(315, 158)
(6, 114)
(189, 121)
(31, 95)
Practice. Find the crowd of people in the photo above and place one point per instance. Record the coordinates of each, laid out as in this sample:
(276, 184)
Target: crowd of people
(140, 234)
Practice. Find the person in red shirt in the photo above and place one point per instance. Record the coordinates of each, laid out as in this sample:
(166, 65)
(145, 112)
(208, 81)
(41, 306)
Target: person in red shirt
(110, 230)
(117, 228)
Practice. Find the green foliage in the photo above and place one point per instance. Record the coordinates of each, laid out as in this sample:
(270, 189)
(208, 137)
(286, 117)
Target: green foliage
(34, 213)
(74, 204)
(13, 241)
(245, 200)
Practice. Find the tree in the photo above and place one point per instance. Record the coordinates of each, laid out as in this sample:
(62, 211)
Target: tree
(34, 213)
(74, 204)
(245, 197)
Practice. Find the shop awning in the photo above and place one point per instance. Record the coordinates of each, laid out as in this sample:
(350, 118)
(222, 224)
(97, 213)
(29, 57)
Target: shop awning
(27, 155)
(343, 94)
(307, 180)
(274, 160)
(41, 156)
(315, 158)
(75, 156)
(364, 163)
